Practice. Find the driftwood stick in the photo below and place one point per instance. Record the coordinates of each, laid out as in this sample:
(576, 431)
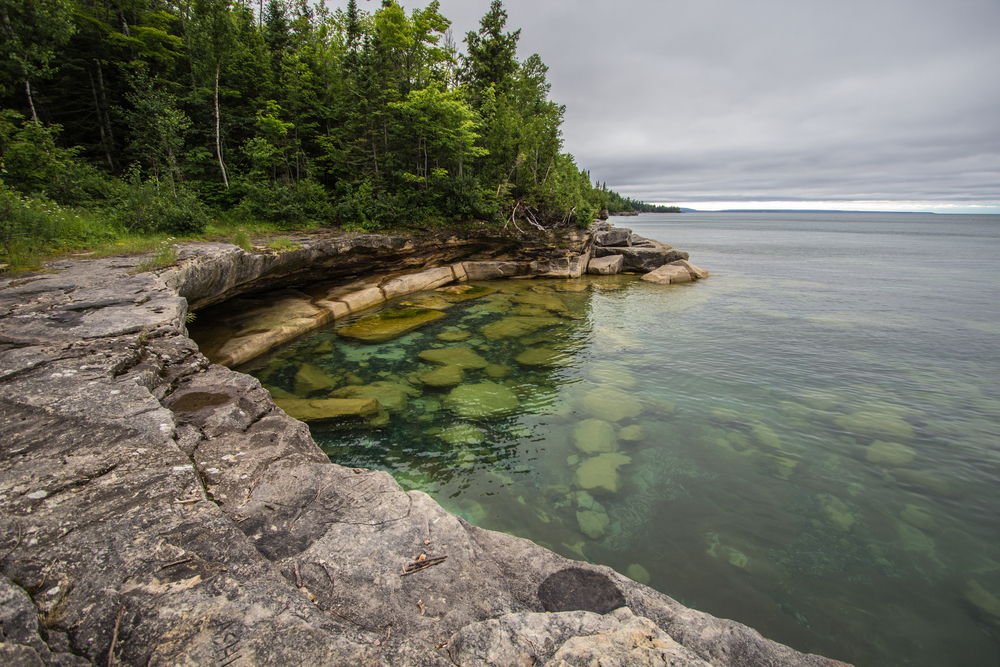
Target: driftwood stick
(177, 562)
(298, 574)
(114, 637)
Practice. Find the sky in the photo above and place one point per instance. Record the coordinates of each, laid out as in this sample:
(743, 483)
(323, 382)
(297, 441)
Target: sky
(887, 105)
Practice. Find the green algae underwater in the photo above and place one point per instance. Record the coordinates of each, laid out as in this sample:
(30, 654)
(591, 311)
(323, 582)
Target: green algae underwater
(807, 442)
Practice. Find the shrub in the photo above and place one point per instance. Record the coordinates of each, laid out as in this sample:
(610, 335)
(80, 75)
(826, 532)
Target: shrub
(156, 207)
(286, 205)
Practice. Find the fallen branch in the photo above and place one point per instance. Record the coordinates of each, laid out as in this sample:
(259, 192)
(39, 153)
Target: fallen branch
(418, 565)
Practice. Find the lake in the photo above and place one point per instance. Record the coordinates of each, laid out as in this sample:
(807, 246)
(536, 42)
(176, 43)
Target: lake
(807, 442)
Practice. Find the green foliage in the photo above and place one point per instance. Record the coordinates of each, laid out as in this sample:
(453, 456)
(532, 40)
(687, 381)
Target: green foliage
(286, 205)
(292, 118)
(166, 255)
(242, 240)
(148, 207)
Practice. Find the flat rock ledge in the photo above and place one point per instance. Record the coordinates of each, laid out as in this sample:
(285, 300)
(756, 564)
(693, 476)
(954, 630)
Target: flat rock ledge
(156, 509)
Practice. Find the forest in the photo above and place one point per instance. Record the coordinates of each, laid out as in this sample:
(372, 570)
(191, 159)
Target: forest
(126, 123)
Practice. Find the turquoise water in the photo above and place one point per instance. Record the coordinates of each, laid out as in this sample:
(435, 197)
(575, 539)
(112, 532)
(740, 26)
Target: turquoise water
(808, 442)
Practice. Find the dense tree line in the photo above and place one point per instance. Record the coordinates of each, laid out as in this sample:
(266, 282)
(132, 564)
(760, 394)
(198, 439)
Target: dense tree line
(168, 112)
(617, 204)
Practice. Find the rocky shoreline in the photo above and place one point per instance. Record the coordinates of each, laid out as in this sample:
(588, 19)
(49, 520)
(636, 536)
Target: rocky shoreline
(158, 509)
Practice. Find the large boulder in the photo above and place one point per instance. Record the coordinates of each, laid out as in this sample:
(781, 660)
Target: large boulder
(642, 260)
(388, 325)
(606, 266)
(483, 400)
(463, 357)
(668, 274)
(614, 238)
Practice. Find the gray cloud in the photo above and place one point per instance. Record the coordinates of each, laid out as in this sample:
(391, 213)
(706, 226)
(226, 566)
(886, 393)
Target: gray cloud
(795, 100)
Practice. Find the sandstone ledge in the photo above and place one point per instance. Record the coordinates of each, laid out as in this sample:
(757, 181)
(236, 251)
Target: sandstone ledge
(159, 510)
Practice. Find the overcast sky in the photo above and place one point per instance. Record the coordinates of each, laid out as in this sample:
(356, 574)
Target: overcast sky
(853, 104)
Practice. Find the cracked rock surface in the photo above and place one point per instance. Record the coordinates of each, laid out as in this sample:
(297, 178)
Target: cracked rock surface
(159, 510)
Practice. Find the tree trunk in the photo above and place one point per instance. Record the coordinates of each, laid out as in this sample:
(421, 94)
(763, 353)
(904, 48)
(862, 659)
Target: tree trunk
(106, 119)
(100, 122)
(31, 102)
(218, 140)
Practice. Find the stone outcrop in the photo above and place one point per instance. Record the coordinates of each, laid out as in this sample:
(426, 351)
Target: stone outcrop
(606, 266)
(156, 509)
(637, 253)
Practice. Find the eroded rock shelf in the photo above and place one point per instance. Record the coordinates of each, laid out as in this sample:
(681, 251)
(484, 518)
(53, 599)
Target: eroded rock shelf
(157, 509)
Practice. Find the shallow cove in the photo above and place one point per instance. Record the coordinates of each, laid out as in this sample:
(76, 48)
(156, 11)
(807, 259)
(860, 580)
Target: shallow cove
(792, 465)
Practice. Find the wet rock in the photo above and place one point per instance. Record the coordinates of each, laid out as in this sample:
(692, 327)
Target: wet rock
(695, 272)
(593, 436)
(599, 474)
(461, 434)
(416, 282)
(637, 573)
(836, 512)
(642, 260)
(495, 270)
(453, 336)
(875, 425)
(668, 274)
(984, 604)
(632, 433)
(484, 400)
(496, 371)
(391, 398)
(515, 327)
(592, 524)
(918, 517)
(388, 325)
(465, 292)
(445, 376)
(542, 357)
(463, 357)
(543, 301)
(611, 404)
(889, 453)
(312, 380)
(613, 373)
(315, 409)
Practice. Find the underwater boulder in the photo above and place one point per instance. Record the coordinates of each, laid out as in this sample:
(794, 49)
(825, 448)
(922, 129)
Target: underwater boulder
(316, 409)
(542, 356)
(390, 398)
(463, 357)
(483, 400)
(599, 474)
(517, 326)
(592, 524)
(311, 380)
(593, 436)
(445, 376)
(388, 325)
(889, 453)
(611, 404)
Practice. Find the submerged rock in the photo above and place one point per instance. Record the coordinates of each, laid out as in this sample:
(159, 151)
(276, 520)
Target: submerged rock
(592, 524)
(386, 326)
(305, 409)
(984, 603)
(632, 433)
(542, 356)
(390, 398)
(484, 400)
(445, 376)
(637, 573)
(889, 453)
(599, 474)
(463, 357)
(465, 292)
(613, 373)
(462, 434)
(611, 404)
(517, 326)
(453, 336)
(311, 380)
(875, 425)
(918, 518)
(836, 512)
(541, 300)
(592, 436)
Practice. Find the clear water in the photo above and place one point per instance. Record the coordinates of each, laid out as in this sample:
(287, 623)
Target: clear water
(808, 442)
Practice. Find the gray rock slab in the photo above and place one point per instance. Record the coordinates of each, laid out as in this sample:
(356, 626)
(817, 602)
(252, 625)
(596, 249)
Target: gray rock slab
(642, 259)
(606, 266)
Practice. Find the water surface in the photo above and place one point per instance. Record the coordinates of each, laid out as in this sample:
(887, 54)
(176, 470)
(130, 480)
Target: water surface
(807, 442)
